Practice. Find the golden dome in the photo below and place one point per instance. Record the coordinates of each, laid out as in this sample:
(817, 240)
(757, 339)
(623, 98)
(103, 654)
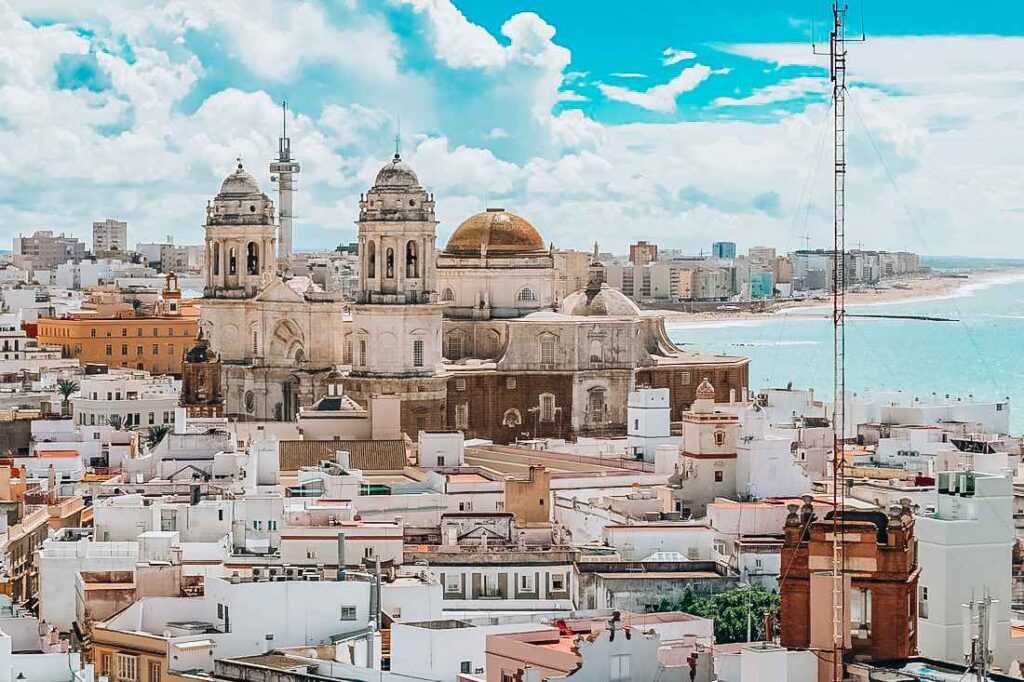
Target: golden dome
(495, 231)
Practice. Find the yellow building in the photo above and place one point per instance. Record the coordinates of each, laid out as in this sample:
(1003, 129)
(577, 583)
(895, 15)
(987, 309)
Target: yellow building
(120, 338)
(155, 344)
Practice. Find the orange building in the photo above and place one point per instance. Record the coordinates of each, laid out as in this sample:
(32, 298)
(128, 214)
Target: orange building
(156, 343)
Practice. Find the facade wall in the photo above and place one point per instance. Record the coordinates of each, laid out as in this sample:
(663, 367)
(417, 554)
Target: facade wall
(682, 382)
(155, 344)
(505, 407)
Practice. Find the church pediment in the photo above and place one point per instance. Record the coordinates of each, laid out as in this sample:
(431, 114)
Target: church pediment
(278, 292)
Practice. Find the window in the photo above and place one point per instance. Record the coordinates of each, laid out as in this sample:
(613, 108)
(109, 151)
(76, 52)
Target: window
(452, 583)
(371, 260)
(557, 583)
(922, 602)
(619, 668)
(170, 331)
(124, 331)
(526, 295)
(466, 667)
(362, 351)
(154, 671)
(460, 384)
(138, 350)
(127, 668)
(719, 476)
(596, 406)
(454, 350)
(170, 349)
(220, 514)
(156, 349)
(124, 349)
(489, 586)
(255, 342)
(547, 349)
(367, 552)
(596, 351)
(92, 333)
(389, 264)
(110, 349)
(448, 296)
(526, 582)
(232, 261)
(107, 665)
(440, 460)
(156, 332)
(719, 438)
(252, 258)
(466, 506)
(547, 407)
(216, 258)
(860, 612)
(417, 351)
(411, 260)
(462, 416)
(152, 418)
(510, 383)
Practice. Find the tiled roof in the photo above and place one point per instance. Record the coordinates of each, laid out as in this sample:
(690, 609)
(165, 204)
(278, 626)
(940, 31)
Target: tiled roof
(367, 455)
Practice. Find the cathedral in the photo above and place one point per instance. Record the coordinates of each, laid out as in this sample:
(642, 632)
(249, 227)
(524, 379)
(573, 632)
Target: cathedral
(470, 338)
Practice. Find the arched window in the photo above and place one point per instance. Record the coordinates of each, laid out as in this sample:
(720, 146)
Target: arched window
(547, 349)
(389, 264)
(371, 260)
(526, 295)
(719, 438)
(417, 353)
(411, 261)
(512, 418)
(216, 258)
(454, 346)
(252, 258)
(232, 261)
(448, 296)
(596, 350)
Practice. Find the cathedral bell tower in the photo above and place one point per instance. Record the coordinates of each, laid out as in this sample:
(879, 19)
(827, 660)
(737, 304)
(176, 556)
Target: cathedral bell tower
(240, 243)
(396, 319)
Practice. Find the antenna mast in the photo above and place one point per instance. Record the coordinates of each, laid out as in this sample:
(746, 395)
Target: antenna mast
(837, 74)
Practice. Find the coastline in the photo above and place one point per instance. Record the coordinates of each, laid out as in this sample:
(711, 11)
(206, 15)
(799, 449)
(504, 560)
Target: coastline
(921, 288)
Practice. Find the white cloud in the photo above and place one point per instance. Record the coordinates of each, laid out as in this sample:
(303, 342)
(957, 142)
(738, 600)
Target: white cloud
(659, 97)
(457, 41)
(571, 96)
(497, 134)
(628, 74)
(670, 56)
(779, 92)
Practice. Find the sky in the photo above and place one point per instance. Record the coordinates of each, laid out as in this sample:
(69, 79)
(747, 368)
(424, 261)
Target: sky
(677, 122)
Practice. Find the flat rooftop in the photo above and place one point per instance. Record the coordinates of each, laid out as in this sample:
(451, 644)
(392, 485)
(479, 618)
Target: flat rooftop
(504, 460)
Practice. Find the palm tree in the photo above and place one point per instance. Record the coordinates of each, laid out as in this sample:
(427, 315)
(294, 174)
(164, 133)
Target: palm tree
(116, 422)
(156, 434)
(66, 387)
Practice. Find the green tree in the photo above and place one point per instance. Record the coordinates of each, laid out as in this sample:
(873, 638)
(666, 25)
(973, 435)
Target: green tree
(66, 387)
(729, 610)
(156, 434)
(116, 422)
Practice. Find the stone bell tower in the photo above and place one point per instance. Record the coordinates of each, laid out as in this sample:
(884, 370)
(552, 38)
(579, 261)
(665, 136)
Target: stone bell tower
(396, 320)
(240, 242)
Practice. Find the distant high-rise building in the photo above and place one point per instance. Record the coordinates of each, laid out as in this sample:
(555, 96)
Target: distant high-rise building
(109, 236)
(642, 253)
(762, 255)
(724, 250)
(45, 251)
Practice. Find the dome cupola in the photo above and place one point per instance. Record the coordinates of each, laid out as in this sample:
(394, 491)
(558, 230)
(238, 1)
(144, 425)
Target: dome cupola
(495, 231)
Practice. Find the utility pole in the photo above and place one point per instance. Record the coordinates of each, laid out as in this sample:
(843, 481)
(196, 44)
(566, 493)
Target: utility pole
(837, 73)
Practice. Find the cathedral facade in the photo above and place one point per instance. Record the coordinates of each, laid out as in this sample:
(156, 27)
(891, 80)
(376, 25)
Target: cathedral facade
(477, 337)
(276, 340)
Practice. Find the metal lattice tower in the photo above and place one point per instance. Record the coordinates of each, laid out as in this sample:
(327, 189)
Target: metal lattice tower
(837, 74)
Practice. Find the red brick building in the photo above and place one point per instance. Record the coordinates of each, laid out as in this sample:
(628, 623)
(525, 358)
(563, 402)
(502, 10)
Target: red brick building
(880, 560)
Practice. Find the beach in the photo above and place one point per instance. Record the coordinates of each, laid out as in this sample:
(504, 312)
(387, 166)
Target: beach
(905, 290)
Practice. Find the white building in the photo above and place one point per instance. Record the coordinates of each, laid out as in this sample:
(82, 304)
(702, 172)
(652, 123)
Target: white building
(61, 558)
(965, 550)
(138, 399)
(648, 422)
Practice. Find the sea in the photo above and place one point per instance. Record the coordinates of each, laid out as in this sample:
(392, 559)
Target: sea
(979, 354)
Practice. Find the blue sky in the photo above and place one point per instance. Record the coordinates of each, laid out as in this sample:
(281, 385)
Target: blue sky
(676, 122)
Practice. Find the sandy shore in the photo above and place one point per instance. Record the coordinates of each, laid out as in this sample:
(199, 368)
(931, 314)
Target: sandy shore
(911, 289)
